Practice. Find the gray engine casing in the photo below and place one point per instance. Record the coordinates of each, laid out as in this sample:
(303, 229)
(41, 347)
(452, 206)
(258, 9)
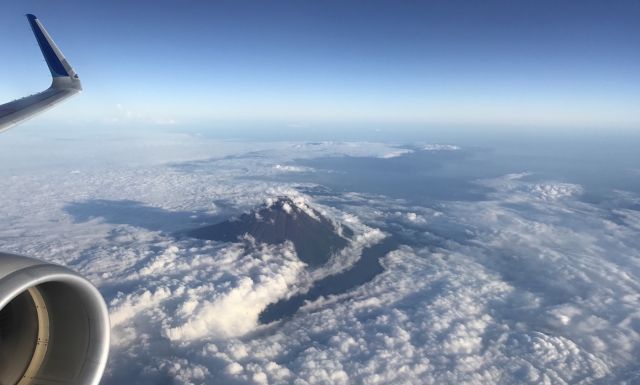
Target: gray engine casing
(54, 325)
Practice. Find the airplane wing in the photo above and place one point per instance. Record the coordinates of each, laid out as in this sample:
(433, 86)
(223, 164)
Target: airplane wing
(65, 82)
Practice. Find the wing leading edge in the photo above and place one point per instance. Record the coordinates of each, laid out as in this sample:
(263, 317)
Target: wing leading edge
(65, 82)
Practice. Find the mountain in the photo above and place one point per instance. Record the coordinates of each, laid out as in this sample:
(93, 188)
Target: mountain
(315, 237)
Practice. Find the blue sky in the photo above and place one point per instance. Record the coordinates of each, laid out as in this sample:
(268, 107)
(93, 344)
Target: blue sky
(304, 63)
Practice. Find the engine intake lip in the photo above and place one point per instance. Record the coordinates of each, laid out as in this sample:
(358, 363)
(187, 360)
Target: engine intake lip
(66, 290)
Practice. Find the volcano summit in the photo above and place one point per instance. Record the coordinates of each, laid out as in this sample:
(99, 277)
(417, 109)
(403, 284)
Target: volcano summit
(314, 237)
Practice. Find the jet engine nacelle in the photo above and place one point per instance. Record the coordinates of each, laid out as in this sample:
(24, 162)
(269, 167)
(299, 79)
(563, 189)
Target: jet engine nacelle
(54, 325)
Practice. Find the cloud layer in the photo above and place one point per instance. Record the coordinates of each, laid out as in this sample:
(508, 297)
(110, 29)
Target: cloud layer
(530, 285)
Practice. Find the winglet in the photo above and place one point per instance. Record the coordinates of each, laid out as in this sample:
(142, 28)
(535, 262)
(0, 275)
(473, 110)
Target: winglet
(65, 83)
(58, 65)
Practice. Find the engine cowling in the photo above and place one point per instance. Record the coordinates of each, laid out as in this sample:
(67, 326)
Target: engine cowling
(54, 325)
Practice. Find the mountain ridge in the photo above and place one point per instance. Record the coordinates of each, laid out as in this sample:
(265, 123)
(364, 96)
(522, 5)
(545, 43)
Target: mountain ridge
(315, 238)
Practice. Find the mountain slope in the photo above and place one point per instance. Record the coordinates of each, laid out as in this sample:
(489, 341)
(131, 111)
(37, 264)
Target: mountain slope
(315, 237)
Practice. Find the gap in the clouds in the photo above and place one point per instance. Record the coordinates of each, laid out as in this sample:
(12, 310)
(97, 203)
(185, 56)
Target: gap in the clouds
(426, 174)
(363, 271)
(417, 175)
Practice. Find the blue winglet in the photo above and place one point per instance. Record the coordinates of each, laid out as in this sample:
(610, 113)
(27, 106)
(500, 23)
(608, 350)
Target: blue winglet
(53, 61)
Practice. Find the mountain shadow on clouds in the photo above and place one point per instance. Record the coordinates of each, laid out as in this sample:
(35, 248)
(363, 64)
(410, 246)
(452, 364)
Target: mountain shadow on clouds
(137, 214)
(363, 271)
(314, 237)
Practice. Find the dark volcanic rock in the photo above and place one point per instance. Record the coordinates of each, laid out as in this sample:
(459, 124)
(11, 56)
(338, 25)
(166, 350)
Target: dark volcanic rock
(315, 238)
